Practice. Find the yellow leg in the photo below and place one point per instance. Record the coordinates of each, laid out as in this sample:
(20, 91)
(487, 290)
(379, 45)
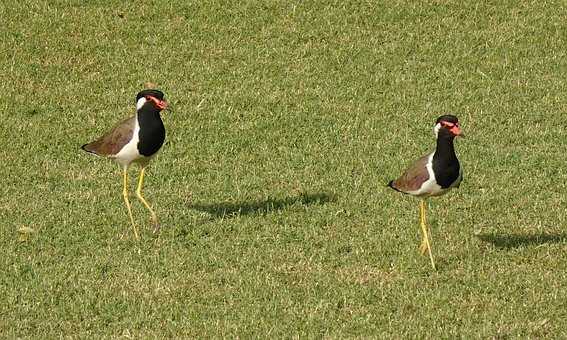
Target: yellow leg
(425, 245)
(141, 198)
(125, 195)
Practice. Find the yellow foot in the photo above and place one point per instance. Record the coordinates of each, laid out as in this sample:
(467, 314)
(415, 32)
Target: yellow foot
(156, 224)
(423, 247)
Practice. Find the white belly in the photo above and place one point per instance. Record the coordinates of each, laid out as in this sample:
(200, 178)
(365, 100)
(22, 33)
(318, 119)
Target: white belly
(129, 153)
(429, 187)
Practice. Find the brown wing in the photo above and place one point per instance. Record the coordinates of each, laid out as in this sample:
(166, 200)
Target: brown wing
(413, 177)
(113, 141)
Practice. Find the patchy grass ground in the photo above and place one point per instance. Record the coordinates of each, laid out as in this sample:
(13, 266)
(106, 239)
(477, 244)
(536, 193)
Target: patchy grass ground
(289, 119)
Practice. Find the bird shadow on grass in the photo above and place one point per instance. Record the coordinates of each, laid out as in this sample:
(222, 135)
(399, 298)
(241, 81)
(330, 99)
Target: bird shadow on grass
(512, 241)
(262, 207)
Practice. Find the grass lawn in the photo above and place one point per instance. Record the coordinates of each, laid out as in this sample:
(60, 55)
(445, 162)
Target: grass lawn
(289, 119)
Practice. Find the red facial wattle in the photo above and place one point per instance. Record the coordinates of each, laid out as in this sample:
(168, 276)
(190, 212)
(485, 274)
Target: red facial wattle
(161, 104)
(456, 130)
(453, 128)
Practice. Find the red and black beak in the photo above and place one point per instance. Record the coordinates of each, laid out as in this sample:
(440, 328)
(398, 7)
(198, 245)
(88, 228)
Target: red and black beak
(453, 128)
(456, 131)
(160, 104)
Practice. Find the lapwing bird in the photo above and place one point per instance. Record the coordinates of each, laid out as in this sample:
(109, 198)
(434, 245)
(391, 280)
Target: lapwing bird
(433, 174)
(135, 140)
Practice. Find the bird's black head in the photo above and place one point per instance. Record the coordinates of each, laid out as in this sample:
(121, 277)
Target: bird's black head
(152, 95)
(447, 118)
(150, 92)
(448, 125)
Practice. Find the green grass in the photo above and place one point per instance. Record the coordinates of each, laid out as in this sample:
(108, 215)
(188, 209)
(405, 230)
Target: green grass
(289, 119)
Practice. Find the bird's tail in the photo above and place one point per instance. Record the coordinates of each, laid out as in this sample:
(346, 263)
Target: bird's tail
(87, 149)
(391, 185)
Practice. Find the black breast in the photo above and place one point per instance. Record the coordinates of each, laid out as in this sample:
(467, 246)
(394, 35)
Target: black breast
(445, 165)
(152, 131)
(446, 173)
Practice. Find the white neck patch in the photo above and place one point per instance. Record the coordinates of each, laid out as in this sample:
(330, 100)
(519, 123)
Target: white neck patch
(436, 129)
(141, 103)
